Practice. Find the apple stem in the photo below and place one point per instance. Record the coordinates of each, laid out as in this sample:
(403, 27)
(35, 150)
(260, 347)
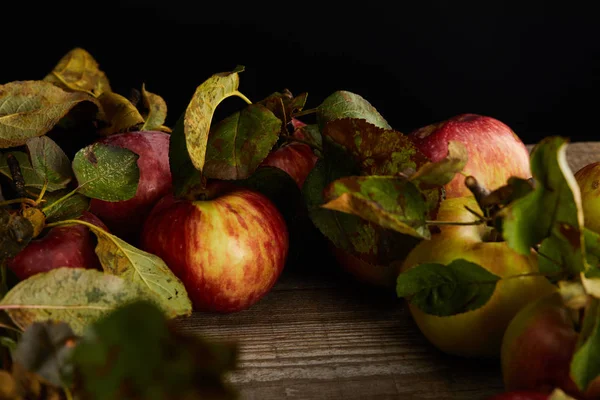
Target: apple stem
(241, 95)
(19, 200)
(293, 139)
(305, 112)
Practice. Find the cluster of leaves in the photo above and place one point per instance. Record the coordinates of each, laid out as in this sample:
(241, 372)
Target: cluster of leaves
(133, 352)
(544, 217)
(373, 192)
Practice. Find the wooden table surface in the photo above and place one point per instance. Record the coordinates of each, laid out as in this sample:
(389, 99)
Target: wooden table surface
(320, 335)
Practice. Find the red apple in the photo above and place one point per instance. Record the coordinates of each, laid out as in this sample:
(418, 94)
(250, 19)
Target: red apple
(295, 158)
(228, 250)
(495, 152)
(126, 218)
(538, 347)
(63, 246)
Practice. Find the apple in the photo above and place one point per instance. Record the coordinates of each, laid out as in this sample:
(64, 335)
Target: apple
(588, 179)
(476, 333)
(126, 218)
(228, 249)
(495, 152)
(63, 246)
(537, 349)
(295, 158)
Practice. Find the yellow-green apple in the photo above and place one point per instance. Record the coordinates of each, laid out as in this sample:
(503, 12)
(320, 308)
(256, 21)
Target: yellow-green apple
(228, 249)
(588, 179)
(537, 349)
(126, 218)
(62, 246)
(495, 152)
(295, 158)
(478, 332)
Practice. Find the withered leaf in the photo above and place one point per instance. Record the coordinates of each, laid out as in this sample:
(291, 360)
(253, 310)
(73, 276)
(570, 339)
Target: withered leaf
(32, 108)
(157, 111)
(119, 114)
(15, 233)
(343, 104)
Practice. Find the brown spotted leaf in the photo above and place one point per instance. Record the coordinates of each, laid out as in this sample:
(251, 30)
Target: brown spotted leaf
(199, 112)
(73, 295)
(119, 114)
(442, 172)
(79, 71)
(377, 151)
(157, 111)
(284, 105)
(390, 202)
(239, 143)
(32, 108)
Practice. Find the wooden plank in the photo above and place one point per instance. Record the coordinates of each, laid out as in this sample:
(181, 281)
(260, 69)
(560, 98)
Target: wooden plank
(320, 335)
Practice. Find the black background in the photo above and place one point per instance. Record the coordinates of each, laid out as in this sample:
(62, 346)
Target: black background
(533, 66)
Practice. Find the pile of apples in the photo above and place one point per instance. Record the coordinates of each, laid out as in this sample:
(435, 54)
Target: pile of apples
(430, 213)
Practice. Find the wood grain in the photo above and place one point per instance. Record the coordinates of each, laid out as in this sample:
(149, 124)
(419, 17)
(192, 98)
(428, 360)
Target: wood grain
(320, 335)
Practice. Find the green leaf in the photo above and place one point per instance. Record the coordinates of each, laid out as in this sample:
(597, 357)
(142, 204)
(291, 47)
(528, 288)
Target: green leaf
(78, 71)
(200, 110)
(390, 202)
(239, 143)
(15, 234)
(70, 208)
(73, 295)
(312, 135)
(45, 349)
(132, 353)
(9, 343)
(585, 364)
(442, 172)
(445, 290)
(186, 178)
(157, 111)
(344, 104)
(553, 208)
(119, 114)
(30, 176)
(105, 172)
(32, 108)
(376, 151)
(146, 270)
(49, 161)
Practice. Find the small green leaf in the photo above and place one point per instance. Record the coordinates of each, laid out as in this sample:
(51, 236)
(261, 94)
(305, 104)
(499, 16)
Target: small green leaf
(553, 208)
(147, 270)
(344, 104)
(108, 173)
(445, 290)
(157, 111)
(390, 202)
(312, 135)
(376, 151)
(15, 234)
(133, 353)
(45, 349)
(49, 161)
(186, 178)
(200, 110)
(73, 295)
(239, 143)
(442, 172)
(70, 208)
(32, 108)
(585, 364)
(119, 114)
(30, 176)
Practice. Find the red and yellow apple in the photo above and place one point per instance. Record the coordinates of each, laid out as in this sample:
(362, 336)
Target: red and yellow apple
(62, 246)
(126, 218)
(588, 179)
(476, 333)
(537, 349)
(495, 152)
(228, 250)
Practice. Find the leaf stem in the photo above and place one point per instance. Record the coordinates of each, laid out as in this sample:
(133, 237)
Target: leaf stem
(305, 112)
(242, 96)
(68, 394)
(306, 142)
(62, 199)
(19, 201)
(11, 328)
(42, 192)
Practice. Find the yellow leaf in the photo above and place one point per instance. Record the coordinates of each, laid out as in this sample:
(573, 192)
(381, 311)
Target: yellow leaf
(157, 110)
(79, 71)
(120, 114)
